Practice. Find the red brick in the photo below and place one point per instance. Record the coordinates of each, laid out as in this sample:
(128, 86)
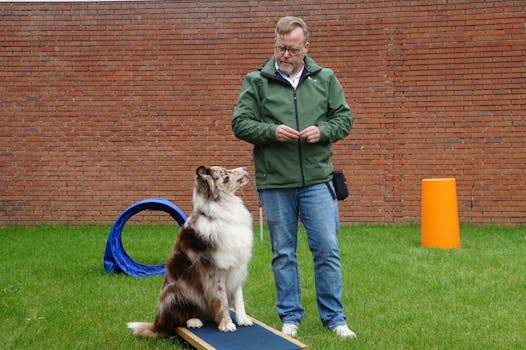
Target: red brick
(104, 104)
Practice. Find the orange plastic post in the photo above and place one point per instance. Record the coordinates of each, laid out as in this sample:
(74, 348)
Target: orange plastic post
(440, 227)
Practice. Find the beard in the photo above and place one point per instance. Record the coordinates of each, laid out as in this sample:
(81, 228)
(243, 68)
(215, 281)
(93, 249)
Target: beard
(286, 68)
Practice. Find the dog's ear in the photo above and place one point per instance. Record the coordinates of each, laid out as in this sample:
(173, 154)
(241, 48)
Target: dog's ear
(204, 182)
(202, 171)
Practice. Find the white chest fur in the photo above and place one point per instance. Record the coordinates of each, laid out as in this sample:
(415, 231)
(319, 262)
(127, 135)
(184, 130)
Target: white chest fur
(226, 224)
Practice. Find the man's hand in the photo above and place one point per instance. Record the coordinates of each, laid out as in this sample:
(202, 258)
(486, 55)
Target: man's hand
(286, 134)
(311, 134)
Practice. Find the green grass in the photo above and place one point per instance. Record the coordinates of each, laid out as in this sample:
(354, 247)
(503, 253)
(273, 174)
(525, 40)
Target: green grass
(54, 293)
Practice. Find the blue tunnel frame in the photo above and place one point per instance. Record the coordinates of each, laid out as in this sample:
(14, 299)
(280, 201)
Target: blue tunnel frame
(115, 257)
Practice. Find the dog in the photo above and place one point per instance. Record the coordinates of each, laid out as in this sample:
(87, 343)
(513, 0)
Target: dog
(208, 267)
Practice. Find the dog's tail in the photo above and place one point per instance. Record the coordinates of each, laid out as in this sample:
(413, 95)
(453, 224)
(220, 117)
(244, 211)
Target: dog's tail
(144, 329)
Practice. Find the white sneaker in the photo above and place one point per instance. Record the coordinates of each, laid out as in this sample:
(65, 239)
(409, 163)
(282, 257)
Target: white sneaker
(290, 329)
(344, 332)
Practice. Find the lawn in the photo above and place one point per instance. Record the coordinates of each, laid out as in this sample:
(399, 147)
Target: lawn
(55, 294)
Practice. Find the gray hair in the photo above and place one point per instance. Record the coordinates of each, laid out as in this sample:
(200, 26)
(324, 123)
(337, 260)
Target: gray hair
(289, 23)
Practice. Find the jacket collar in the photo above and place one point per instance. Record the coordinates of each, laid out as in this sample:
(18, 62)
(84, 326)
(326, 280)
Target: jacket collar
(268, 69)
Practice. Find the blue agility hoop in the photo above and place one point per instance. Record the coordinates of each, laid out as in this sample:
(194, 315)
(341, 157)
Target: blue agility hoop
(115, 257)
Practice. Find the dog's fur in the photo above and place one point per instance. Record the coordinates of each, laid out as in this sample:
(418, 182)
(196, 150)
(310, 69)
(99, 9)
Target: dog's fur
(206, 272)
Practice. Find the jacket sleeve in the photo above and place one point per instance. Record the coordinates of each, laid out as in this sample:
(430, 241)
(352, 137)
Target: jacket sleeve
(339, 119)
(247, 124)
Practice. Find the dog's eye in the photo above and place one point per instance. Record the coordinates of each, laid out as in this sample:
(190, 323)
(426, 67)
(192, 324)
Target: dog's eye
(226, 179)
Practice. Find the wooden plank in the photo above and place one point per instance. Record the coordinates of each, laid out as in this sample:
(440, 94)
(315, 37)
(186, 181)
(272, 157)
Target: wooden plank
(193, 339)
(212, 339)
(278, 333)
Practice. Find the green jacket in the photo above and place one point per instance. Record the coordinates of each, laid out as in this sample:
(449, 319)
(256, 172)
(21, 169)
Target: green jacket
(267, 100)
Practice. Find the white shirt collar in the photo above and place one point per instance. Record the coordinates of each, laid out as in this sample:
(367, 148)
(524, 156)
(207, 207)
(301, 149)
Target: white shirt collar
(293, 80)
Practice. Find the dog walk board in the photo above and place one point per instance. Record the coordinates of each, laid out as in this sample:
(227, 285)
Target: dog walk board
(257, 337)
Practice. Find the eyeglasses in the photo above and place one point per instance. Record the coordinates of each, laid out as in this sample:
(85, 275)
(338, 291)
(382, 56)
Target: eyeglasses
(292, 50)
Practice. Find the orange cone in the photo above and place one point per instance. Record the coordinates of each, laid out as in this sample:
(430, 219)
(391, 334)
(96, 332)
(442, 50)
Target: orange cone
(440, 227)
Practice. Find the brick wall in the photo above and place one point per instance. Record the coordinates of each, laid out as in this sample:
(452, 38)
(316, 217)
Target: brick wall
(104, 104)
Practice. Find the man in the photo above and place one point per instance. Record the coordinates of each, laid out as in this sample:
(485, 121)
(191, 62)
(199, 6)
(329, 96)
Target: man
(291, 110)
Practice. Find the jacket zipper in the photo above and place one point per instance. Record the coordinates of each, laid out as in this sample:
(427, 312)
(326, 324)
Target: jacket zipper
(305, 74)
(300, 150)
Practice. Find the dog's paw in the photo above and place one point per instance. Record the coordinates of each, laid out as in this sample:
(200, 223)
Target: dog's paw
(194, 323)
(243, 321)
(227, 326)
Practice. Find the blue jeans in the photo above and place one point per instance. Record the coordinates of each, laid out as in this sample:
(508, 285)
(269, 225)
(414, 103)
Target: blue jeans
(318, 211)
